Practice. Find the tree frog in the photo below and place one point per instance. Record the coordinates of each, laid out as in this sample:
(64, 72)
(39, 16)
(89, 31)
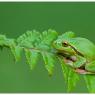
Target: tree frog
(78, 51)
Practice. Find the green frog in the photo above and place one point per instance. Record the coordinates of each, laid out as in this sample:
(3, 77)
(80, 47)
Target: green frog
(78, 52)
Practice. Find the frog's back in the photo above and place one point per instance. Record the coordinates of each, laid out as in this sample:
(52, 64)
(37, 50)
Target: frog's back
(86, 47)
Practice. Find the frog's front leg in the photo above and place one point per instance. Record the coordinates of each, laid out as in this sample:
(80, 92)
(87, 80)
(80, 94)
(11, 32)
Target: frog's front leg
(90, 67)
(80, 64)
(77, 63)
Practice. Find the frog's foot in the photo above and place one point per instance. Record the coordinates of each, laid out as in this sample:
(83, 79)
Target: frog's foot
(82, 71)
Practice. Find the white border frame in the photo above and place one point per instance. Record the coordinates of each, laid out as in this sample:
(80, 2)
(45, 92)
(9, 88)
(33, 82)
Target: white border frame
(47, 0)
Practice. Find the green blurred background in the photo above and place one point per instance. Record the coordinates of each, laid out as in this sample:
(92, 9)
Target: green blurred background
(17, 18)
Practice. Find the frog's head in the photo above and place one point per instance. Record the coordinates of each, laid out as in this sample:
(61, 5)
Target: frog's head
(62, 42)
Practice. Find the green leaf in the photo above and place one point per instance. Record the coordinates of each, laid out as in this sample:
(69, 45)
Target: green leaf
(90, 82)
(32, 57)
(49, 60)
(34, 39)
(2, 40)
(47, 39)
(73, 77)
(49, 36)
(70, 76)
(29, 39)
(16, 50)
(65, 69)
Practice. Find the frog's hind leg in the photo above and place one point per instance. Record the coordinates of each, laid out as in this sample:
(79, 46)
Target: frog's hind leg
(90, 67)
(83, 71)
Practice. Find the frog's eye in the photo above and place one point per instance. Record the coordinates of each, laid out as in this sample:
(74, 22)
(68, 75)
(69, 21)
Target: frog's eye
(65, 44)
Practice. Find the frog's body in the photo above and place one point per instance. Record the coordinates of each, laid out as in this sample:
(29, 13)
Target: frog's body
(82, 48)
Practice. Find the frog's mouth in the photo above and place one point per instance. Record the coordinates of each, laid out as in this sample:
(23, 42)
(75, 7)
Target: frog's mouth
(70, 59)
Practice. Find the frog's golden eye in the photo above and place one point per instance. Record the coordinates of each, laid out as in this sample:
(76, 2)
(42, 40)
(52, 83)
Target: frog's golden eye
(65, 44)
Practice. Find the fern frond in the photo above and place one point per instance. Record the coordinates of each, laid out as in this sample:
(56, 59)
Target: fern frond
(70, 76)
(49, 60)
(34, 43)
(29, 39)
(90, 80)
(31, 57)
